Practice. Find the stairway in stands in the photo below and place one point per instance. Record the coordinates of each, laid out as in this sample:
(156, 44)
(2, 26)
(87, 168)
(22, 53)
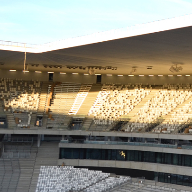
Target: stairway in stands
(169, 115)
(9, 174)
(133, 113)
(43, 103)
(80, 97)
(89, 100)
(48, 154)
(11, 120)
(15, 170)
(87, 123)
(166, 119)
(26, 172)
(43, 98)
(18, 174)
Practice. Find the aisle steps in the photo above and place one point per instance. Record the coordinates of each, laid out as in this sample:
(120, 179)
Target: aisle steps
(48, 154)
(11, 120)
(133, 113)
(43, 98)
(89, 100)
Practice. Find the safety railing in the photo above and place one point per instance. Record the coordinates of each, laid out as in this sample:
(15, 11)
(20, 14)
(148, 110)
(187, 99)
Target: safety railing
(127, 143)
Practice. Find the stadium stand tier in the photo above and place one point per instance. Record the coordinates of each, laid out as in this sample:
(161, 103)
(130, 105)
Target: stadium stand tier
(67, 106)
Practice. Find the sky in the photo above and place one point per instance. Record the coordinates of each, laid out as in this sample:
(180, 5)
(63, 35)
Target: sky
(43, 21)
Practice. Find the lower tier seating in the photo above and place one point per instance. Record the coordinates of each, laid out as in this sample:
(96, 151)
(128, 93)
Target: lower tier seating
(53, 178)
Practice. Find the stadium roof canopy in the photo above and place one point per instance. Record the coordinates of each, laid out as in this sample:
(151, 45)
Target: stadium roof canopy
(161, 47)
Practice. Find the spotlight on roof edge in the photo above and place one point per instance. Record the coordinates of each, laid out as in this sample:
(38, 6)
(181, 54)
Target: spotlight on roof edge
(160, 75)
(75, 73)
(179, 75)
(151, 75)
(38, 72)
(97, 74)
(25, 71)
(120, 75)
(187, 75)
(50, 72)
(86, 74)
(12, 70)
(130, 75)
(62, 73)
(170, 75)
(141, 75)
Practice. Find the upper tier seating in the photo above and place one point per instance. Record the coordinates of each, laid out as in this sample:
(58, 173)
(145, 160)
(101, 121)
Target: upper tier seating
(167, 99)
(177, 119)
(20, 99)
(114, 102)
(19, 95)
(156, 108)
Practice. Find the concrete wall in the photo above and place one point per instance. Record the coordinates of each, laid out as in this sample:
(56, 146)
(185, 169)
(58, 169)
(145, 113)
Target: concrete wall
(154, 80)
(126, 147)
(24, 76)
(45, 131)
(79, 78)
(44, 76)
(180, 170)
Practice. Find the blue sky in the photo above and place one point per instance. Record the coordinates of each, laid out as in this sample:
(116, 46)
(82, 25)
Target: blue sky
(43, 21)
